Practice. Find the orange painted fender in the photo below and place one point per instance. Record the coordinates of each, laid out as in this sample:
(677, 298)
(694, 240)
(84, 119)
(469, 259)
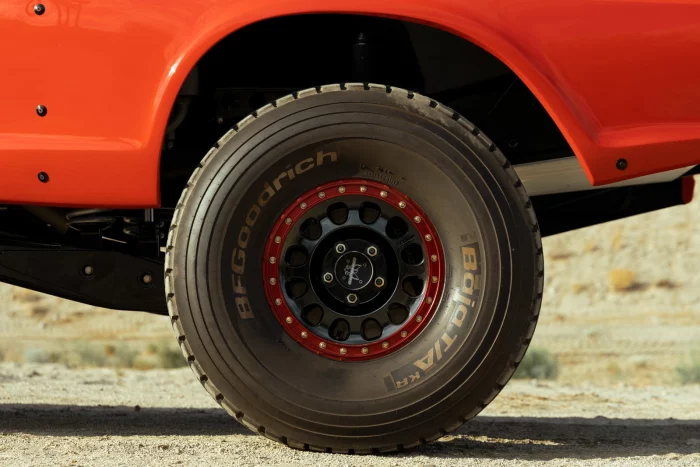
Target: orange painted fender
(619, 78)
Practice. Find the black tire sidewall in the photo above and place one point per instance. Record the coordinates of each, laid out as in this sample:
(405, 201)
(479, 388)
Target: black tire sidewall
(462, 187)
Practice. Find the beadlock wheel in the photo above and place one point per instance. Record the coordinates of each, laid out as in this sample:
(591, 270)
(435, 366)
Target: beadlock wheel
(354, 268)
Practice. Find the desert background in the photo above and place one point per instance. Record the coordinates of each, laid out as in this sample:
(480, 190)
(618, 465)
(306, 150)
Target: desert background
(612, 375)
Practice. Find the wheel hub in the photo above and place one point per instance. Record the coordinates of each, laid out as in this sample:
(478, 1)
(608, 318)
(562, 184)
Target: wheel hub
(354, 270)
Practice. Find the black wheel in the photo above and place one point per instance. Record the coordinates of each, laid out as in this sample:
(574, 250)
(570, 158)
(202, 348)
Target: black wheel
(354, 268)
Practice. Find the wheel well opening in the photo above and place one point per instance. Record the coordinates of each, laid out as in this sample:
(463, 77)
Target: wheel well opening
(267, 60)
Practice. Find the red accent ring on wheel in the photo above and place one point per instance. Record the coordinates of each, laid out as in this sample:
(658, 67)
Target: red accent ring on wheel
(431, 294)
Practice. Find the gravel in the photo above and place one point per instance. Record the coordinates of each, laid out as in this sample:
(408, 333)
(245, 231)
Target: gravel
(52, 415)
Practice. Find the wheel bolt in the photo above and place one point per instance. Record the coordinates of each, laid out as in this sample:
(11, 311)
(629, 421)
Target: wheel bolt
(402, 204)
(351, 298)
(404, 333)
(416, 219)
(385, 345)
(304, 334)
(288, 220)
(322, 345)
(372, 251)
(379, 282)
(434, 279)
(328, 278)
(146, 279)
(365, 350)
(303, 205)
(273, 281)
(340, 248)
(278, 239)
(428, 237)
(343, 350)
(289, 320)
(322, 195)
(383, 194)
(363, 189)
(278, 301)
(88, 270)
(433, 258)
(341, 189)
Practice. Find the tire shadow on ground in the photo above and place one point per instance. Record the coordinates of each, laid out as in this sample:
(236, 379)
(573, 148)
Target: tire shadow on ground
(524, 438)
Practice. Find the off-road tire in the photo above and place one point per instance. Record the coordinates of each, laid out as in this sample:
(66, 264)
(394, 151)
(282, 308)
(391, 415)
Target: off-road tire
(232, 357)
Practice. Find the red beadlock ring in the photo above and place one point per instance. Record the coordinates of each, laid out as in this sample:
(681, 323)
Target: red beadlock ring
(411, 328)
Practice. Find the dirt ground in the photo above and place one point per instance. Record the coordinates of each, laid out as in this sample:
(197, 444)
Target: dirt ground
(50, 415)
(621, 313)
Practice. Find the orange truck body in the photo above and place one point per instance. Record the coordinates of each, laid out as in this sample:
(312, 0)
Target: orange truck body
(621, 79)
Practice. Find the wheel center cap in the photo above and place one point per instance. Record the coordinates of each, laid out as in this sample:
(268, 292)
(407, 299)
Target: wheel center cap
(354, 270)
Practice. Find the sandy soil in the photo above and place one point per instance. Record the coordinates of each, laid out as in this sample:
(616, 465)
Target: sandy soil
(52, 415)
(621, 312)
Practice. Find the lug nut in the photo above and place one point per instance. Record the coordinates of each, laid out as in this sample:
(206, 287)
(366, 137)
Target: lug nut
(147, 279)
(351, 298)
(322, 345)
(303, 205)
(273, 281)
(341, 189)
(278, 239)
(289, 320)
(416, 219)
(379, 282)
(278, 301)
(340, 248)
(365, 350)
(322, 195)
(402, 204)
(363, 189)
(88, 270)
(404, 333)
(383, 194)
(343, 350)
(372, 251)
(385, 345)
(433, 258)
(288, 220)
(304, 334)
(328, 278)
